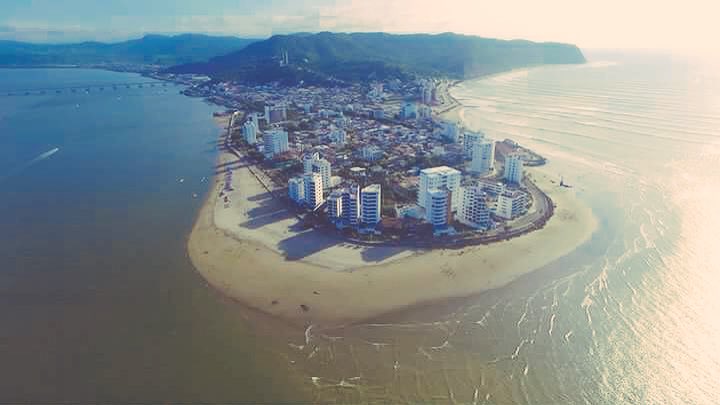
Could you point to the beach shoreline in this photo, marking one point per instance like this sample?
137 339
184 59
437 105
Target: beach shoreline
250 249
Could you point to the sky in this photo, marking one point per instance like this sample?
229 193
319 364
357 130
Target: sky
689 25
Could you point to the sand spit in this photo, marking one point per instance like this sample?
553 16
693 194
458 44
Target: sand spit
249 247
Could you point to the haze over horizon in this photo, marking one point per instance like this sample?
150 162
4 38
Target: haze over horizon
614 24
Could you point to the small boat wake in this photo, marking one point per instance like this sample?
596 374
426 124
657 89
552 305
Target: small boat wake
44 156
29 164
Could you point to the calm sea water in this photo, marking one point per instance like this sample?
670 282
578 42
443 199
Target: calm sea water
99 302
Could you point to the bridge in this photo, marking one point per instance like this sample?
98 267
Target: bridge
82 88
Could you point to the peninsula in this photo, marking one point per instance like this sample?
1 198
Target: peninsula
338 203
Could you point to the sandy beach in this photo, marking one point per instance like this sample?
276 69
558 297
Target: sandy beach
250 248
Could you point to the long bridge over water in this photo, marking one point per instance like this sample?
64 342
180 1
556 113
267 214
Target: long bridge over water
81 88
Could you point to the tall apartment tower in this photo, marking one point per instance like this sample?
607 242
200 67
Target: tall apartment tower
308 160
439 209
474 210
469 140
334 205
513 168
483 157
250 132
313 190
275 142
351 205
438 177
371 204
324 168
296 189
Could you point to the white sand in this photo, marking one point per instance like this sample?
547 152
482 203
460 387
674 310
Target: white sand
253 215
241 250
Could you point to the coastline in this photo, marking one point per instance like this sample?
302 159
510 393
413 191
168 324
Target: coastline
252 252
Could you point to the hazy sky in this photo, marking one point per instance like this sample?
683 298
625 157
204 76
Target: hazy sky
649 24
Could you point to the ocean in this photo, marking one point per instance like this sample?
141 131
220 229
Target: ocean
99 300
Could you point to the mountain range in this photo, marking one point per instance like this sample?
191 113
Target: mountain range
148 50
319 58
329 56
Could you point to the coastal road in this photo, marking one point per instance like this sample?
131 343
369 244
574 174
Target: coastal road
542 208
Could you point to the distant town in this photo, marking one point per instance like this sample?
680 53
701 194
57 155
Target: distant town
377 163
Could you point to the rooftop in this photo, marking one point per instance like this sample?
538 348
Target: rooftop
440 170
373 188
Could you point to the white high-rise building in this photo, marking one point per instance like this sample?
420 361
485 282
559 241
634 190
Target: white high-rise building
371 204
250 132
474 210
313 190
334 205
275 142
469 141
511 204
308 160
296 189
514 168
313 163
324 168
483 157
439 207
438 177
351 205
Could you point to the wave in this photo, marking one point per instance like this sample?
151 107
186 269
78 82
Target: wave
595 138
601 91
573 111
552 324
590 95
608 85
519 347
572 116
674 109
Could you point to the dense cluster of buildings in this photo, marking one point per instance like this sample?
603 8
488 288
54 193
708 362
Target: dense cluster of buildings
373 137
444 197
348 206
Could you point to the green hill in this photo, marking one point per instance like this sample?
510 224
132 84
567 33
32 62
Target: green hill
361 56
148 50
